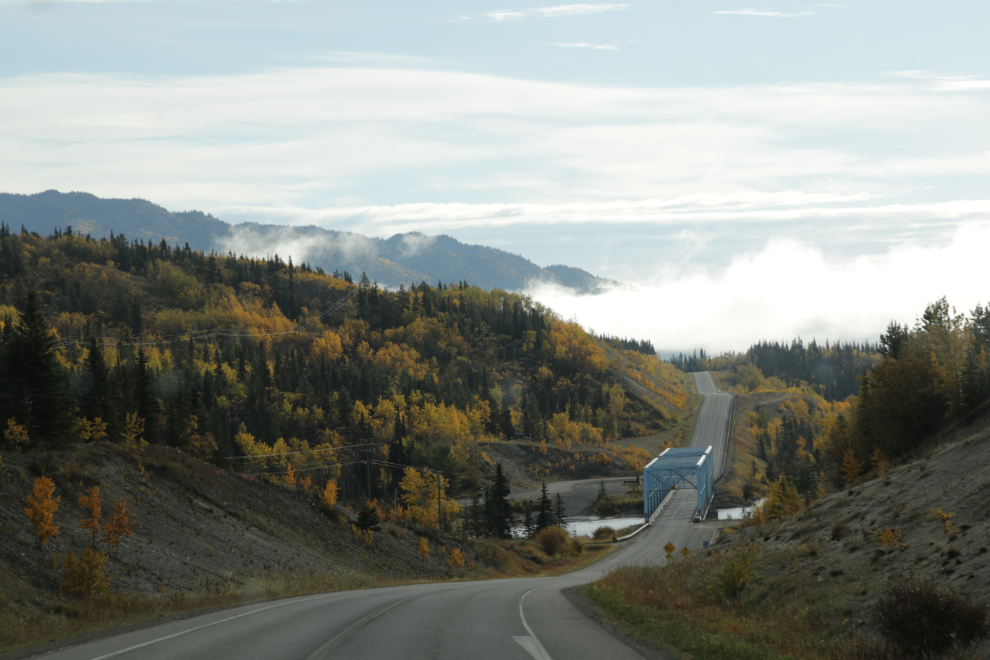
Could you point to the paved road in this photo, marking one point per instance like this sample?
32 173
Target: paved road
514 619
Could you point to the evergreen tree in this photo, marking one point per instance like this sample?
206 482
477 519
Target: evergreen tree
544 513
529 526
559 514
476 524
98 402
505 422
142 398
33 385
500 511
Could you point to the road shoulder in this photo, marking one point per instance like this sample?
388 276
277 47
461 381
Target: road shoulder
590 610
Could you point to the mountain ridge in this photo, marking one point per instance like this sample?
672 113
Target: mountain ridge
400 259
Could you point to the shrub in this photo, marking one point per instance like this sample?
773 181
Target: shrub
604 532
889 538
577 546
552 540
368 517
738 570
923 617
84 574
456 559
424 547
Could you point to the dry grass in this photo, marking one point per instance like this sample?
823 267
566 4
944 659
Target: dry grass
685 606
679 606
30 616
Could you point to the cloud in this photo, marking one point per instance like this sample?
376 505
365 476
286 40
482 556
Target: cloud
370 58
765 12
381 150
503 15
584 44
786 290
297 243
413 243
697 210
949 82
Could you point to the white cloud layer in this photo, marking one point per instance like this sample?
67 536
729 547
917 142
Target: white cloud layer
501 15
788 289
700 210
585 44
766 12
318 137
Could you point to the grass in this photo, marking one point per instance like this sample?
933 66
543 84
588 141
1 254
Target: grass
29 616
681 606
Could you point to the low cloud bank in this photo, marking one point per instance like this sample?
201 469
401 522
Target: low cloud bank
786 290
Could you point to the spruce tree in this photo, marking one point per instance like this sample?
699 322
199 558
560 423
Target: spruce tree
143 399
559 514
34 389
476 526
500 516
528 525
544 515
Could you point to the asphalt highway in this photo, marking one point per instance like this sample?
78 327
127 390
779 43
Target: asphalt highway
520 618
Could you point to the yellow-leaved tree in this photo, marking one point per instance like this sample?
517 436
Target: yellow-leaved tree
119 526
420 494
41 508
575 350
91 504
329 495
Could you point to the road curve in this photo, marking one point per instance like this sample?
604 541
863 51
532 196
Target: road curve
519 618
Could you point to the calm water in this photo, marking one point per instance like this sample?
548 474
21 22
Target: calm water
738 513
584 526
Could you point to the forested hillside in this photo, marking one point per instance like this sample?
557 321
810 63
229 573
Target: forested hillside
926 379
270 368
401 259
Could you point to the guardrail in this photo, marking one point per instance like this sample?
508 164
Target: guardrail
648 522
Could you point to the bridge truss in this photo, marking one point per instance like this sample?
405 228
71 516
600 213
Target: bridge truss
685 467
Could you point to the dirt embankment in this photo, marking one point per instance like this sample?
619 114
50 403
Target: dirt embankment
196 528
527 466
926 518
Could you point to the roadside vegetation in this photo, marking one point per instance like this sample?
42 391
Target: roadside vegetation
872 539
181 430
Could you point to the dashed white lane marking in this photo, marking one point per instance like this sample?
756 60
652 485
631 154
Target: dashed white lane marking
208 625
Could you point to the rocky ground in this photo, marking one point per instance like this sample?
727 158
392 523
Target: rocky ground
196 527
933 512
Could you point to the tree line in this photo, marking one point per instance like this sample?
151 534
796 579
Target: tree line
831 370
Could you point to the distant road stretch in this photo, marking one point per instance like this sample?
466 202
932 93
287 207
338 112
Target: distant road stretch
519 618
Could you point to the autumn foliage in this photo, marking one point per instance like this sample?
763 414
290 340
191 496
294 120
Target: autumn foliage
119 526
84 573
41 507
91 504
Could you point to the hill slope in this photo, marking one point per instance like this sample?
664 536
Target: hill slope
401 259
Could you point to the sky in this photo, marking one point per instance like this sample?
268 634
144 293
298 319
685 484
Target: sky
749 171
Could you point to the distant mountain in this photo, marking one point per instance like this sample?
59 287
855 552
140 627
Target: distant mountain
401 259
88 214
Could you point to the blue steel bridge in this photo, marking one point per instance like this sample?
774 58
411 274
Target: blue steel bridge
685 467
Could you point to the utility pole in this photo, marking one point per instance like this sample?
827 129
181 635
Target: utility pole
367 469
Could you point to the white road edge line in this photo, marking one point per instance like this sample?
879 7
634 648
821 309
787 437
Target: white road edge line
531 643
186 632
